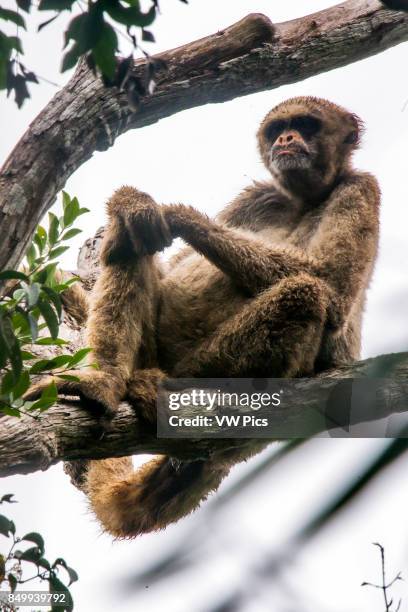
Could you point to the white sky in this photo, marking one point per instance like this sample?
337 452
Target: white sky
204 157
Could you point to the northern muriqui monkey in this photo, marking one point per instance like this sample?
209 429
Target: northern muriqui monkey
274 286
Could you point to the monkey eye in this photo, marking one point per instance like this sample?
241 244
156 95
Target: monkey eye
275 129
306 125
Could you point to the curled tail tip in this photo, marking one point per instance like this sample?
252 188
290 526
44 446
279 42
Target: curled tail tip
157 494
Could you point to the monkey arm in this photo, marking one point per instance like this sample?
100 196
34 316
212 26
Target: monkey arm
251 264
341 254
345 245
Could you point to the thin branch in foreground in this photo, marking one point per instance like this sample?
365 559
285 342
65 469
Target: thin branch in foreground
384 586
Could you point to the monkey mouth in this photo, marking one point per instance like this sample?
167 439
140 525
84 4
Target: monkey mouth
292 150
288 158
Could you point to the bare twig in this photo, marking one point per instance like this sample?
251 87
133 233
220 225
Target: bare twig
384 586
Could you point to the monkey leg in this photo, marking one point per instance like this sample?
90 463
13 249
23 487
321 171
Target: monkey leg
123 311
137 227
278 334
120 331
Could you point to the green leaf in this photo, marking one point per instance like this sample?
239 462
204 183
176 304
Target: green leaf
13 16
50 392
21 92
6 526
33 326
51 341
33 293
60 361
73 576
9 274
65 199
12 346
103 52
132 15
44 563
43 365
24 5
40 366
147 36
85 29
20 322
14 412
7 383
31 255
36 538
71 233
50 317
3 351
57 252
40 238
22 385
12 580
53 228
15 43
26 356
67 283
79 356
56 586
55 5
46 275
71 212
71 58
32 555
54 297
42 405
69 377
18 294
8 498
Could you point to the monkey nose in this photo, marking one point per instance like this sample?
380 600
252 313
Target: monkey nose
286 138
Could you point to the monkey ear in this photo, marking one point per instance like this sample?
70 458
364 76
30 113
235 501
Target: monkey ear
356 129
352 137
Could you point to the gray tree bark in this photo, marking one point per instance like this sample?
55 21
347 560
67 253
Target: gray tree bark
67 431
250 56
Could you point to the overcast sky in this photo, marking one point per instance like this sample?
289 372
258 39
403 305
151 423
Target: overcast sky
204 157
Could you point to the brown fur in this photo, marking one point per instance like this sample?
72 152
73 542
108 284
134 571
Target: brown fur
275 286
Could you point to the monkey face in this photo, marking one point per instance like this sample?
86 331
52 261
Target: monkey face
307 142
292 142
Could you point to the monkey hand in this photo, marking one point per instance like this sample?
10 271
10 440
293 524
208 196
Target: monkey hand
141 218
100 392
142 393
185 220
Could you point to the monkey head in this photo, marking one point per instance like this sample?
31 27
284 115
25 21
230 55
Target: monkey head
307 143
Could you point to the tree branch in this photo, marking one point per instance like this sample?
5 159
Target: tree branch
250 56
67 432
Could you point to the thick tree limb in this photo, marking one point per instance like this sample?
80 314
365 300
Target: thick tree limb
67 432
250 56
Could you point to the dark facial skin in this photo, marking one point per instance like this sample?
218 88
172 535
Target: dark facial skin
293 142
